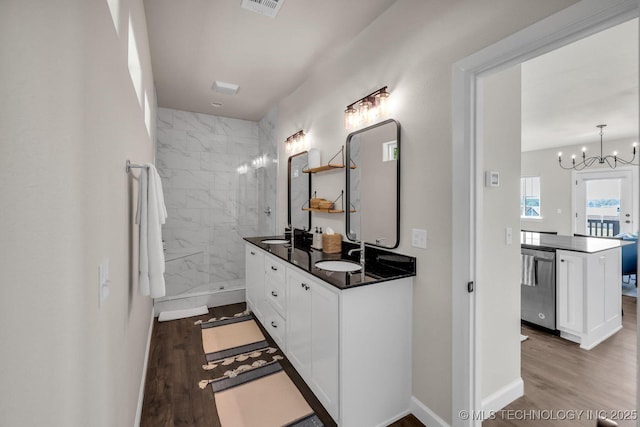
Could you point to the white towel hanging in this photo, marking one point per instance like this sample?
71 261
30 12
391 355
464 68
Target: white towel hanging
151 214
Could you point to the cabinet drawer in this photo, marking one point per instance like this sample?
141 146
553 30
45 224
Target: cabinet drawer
276 325
274 269
276 294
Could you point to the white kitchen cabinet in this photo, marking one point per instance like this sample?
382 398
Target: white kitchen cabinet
569 305
589 299
312 336
254 277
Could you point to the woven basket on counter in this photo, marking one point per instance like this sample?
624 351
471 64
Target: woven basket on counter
331 243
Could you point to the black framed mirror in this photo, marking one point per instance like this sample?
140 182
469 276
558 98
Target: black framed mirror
373 185
298 192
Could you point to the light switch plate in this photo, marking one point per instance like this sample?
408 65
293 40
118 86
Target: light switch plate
492 179
508 235
419 238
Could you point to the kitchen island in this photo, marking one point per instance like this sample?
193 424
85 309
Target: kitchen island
588 285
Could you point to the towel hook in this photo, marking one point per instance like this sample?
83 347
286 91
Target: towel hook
130 165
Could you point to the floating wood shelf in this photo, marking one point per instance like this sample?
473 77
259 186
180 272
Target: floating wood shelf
326 210
325 168
330 166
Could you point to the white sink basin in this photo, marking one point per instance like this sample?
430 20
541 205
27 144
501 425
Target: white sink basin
341 266
275 241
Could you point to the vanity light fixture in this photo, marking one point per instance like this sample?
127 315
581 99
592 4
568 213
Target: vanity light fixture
297 142
611 160
368 109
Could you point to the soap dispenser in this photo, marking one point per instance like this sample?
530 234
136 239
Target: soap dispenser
317 240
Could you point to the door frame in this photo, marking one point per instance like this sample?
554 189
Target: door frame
619 172
571 24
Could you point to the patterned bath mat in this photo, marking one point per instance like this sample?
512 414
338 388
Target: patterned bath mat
249 385
231 336
262 397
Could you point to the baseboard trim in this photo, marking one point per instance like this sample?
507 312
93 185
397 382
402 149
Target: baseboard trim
426 415
501 398
136 423
395 418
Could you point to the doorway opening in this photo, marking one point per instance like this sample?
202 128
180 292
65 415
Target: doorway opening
575 23
605 203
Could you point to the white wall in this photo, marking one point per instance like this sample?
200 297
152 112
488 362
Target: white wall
556 183
410 48
499 274
69 120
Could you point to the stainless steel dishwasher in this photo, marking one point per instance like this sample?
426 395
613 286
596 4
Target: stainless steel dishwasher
538 302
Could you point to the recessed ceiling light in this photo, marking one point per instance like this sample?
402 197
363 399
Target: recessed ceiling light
216 104
226 88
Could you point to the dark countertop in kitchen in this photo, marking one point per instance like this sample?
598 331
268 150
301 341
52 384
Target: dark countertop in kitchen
380 265
543 241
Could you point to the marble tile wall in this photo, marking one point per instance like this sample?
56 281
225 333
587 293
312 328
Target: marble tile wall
268 175
211 205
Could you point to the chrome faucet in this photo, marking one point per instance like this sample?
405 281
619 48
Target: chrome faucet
293 236
361 250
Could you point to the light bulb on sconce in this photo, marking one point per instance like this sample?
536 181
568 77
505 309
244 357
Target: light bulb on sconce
349 117
296 142
367 110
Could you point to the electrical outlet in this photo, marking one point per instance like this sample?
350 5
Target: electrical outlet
419 238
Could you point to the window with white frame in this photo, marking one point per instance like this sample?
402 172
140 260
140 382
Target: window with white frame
530 197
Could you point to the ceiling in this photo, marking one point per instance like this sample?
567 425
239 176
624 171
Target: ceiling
195 42
569 91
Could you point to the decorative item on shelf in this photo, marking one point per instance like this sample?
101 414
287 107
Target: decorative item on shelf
331 165
323 205
313 156
331 242
314 203
297 142
368 109
611 160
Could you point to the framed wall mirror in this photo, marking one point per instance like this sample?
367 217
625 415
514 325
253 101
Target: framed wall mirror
299 191
373 185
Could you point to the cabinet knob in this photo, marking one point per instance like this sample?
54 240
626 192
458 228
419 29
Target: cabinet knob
561 260
274 293
274 268
253 253
306 288
274 325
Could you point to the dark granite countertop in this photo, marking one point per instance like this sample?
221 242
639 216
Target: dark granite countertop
380 265
531 240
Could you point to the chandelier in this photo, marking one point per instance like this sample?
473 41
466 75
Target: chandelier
612 160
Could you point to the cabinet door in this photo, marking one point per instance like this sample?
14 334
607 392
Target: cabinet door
299 323
570 299
603 290
325 346
612 294
254 277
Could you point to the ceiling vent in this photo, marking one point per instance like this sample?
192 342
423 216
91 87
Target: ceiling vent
264 7
225 88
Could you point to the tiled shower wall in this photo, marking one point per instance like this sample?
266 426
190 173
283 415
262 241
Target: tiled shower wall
268 175
212 203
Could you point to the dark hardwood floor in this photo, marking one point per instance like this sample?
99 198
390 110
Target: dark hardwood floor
172 396
558 375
